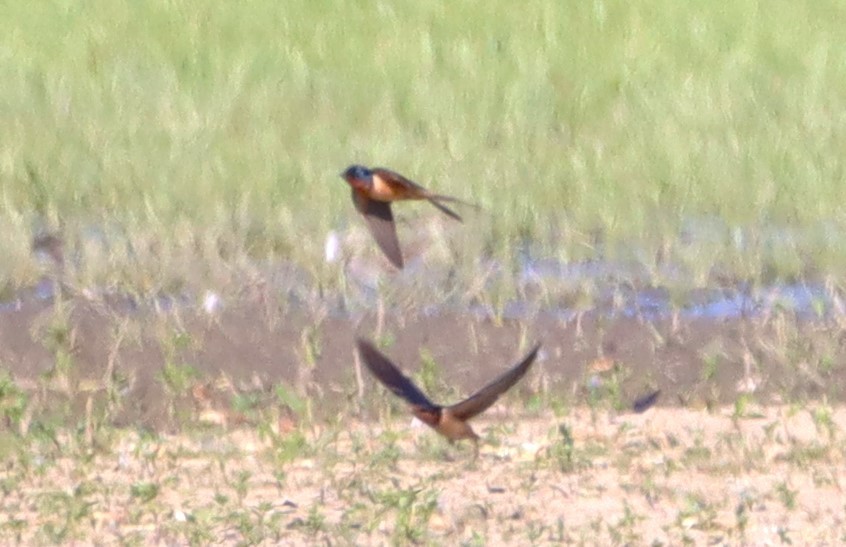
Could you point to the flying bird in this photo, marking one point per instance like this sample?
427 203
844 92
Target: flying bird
449 421
373 190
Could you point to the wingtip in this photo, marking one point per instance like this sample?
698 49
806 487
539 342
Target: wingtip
534 351
530 357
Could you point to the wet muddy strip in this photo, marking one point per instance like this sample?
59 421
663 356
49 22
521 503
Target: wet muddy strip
75 350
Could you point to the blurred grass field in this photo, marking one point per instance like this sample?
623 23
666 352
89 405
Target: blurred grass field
207 134
185 146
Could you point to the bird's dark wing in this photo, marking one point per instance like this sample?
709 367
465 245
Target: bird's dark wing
380 222
642 404
392 378
485 397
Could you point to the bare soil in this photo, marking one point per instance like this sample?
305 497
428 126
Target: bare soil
253 346
743 447
667 477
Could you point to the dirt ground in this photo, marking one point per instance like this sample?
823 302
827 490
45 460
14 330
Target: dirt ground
253 347
745 446
666 477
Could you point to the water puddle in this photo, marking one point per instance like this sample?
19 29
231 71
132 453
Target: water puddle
612 288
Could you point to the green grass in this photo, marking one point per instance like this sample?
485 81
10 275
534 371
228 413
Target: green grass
176 143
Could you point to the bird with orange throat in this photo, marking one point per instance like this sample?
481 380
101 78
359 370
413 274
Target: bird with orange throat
373 191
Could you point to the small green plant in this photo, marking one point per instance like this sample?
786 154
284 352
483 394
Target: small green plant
824 421
786 495
14 526
316 521
144 491
785 538
562 449
311 345
741 406
246 403
624 531
429 375
710 364
826 365
287 397
534 404
13 400
58 333
66 512
804 454
413 507
242 484
741 515
178 377
290 446
699 454
244 521
388 453
697 512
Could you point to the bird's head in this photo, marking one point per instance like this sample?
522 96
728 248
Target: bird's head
357 175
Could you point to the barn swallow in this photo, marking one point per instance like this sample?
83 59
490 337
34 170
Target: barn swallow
449 421
374 189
